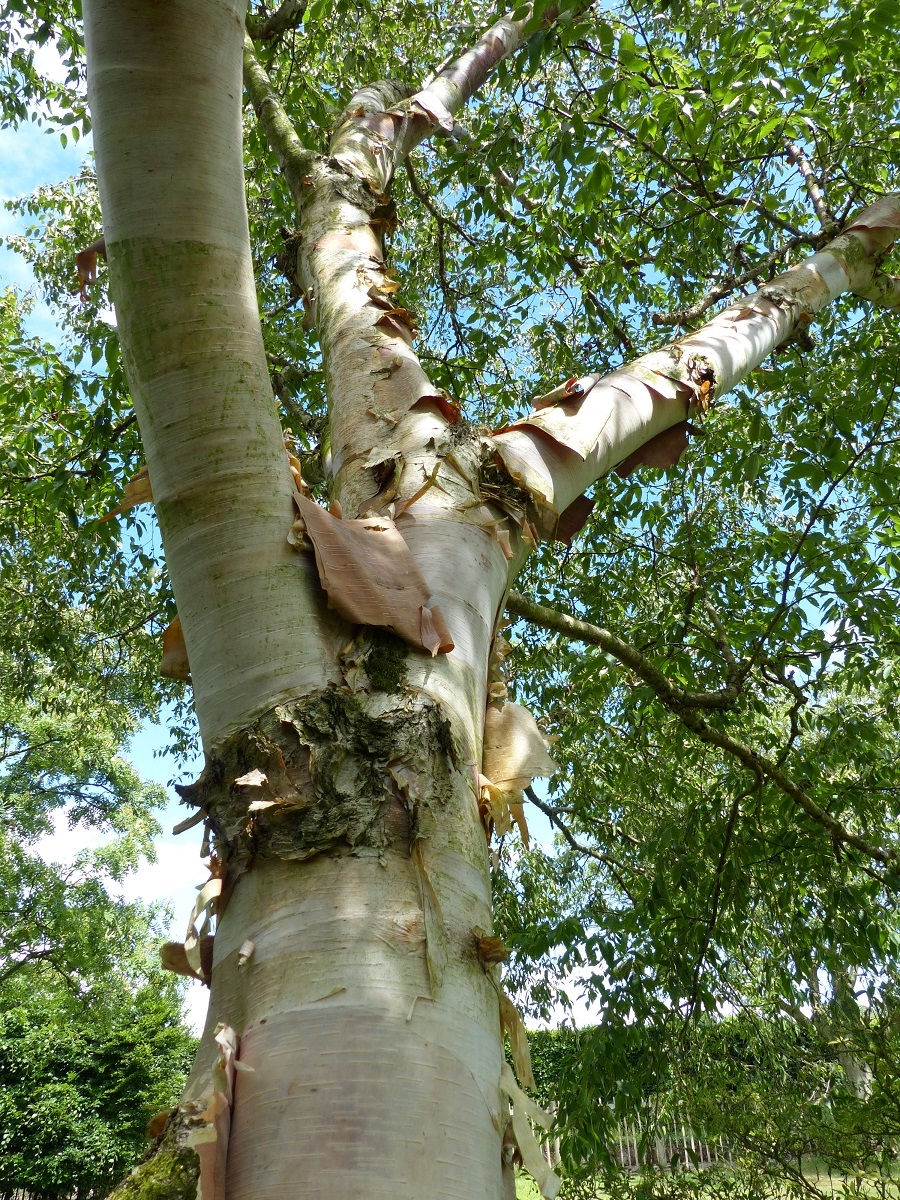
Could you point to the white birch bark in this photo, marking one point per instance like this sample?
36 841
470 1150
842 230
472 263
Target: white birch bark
165 94
559 451
368 1079
350 975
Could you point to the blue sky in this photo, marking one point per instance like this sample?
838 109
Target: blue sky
29 157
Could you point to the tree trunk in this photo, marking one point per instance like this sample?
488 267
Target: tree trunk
370 1025
353 1046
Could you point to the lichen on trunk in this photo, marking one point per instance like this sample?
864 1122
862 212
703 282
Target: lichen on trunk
170 1171
325 773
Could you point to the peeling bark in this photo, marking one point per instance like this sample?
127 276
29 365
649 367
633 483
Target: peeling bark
343 777
563 447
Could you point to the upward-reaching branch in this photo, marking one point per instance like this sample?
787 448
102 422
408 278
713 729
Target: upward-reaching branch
379 140
164 87
585 428
385 121
295 160
342 201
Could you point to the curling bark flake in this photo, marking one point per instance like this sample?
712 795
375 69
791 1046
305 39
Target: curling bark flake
345 790
564 447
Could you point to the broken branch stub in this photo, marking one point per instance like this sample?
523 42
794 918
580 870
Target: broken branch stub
371 578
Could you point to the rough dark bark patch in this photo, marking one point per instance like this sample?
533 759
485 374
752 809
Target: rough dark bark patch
326 773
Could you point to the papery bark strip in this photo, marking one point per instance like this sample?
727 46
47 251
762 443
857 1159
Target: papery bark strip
560 450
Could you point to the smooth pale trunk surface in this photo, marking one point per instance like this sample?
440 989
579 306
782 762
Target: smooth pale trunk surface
376 1089
363 1084
165 92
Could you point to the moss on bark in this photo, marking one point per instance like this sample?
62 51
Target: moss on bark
170 1173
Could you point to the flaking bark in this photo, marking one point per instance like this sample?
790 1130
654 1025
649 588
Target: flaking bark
346 818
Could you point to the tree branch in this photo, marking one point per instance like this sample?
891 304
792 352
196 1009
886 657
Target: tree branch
426 201
699 188
375 141
553 815
440 220
796 156
294 159
757 763
625 653
288 16
685 316
587 427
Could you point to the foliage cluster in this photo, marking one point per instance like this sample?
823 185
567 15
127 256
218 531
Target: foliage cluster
77 1088
773 1094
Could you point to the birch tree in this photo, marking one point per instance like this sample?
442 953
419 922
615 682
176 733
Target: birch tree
342 604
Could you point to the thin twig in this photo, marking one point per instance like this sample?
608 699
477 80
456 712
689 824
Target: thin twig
797 157
668 694
549 811
733 814
422 196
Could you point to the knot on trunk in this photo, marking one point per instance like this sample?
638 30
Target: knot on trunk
333 772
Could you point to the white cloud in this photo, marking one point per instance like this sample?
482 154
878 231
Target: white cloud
48 62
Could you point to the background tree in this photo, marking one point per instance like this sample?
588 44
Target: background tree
81 1079
616 174
91 1040
92 1043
